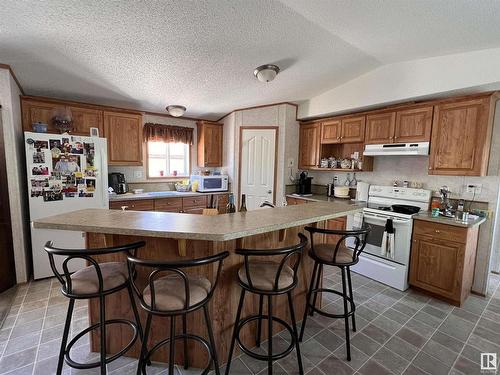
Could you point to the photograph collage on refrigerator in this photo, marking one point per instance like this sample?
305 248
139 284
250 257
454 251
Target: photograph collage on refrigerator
62 168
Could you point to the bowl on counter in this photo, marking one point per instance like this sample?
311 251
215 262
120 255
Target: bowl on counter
182 187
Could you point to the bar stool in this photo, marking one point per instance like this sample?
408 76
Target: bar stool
172 292
338 255
268 278
95 281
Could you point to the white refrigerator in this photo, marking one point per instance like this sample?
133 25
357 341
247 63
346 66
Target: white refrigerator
65 173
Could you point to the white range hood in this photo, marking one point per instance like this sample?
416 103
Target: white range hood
416 148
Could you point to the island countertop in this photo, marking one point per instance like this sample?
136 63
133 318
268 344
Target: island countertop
196 227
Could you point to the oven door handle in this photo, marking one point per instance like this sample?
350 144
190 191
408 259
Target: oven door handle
384 218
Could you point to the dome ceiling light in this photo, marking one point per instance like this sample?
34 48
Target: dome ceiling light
266 73
176 110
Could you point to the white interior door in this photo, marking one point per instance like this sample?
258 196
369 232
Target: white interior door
257 166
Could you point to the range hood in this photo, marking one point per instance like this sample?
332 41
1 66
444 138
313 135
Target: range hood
417 148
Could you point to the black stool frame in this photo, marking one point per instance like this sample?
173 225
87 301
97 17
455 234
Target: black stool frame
359 236
67 290
176 268
288 253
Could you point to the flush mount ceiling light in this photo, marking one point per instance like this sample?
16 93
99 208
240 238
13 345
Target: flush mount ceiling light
176 110
266 73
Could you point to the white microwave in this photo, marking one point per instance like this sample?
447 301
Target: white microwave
210 183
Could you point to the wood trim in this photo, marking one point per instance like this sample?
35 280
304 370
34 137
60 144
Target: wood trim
9 68
261 106
276 128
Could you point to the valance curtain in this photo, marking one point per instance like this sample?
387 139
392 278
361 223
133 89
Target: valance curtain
167 133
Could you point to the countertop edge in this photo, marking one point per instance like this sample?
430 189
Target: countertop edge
145 196
448 221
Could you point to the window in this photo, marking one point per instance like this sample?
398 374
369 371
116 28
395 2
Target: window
168 159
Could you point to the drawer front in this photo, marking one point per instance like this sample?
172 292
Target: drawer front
192 202
139 205
440 231
168 204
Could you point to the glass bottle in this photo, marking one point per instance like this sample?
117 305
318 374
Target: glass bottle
230 207
243 207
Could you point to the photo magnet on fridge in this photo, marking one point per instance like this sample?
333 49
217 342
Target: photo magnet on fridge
38 157
66 164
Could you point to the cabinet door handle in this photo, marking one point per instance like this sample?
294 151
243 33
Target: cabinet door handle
438 231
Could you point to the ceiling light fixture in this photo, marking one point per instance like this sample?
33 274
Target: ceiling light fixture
266 73
176 110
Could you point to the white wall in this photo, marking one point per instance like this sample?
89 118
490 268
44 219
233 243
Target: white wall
430 77
14 155
284 117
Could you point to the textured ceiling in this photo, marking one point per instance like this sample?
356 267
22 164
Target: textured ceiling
201 54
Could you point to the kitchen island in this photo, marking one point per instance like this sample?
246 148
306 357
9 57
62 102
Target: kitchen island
174 236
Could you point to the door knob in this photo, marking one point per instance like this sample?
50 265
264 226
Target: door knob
269 192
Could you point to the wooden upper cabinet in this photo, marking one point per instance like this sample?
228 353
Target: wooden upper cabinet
331 131
309 145
37 111
124 134
353 129
209 144
380 128
461 136
86 118
44 111
413 125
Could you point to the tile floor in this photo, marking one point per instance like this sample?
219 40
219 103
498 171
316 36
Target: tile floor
398 333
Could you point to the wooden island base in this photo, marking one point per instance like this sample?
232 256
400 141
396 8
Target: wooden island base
223 305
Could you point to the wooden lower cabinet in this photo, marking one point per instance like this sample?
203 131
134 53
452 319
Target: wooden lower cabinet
442 260
293 201
335 224
188 205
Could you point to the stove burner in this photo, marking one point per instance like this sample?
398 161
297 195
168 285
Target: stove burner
384 208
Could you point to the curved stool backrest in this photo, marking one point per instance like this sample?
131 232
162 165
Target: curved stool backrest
64 277
359 236
293 253
175 268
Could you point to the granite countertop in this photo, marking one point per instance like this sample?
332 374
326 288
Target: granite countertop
159 194
473 221
186 226
325 198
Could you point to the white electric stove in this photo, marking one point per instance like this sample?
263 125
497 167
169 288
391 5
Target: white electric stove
373 263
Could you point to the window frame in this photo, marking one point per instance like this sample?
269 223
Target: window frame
168 177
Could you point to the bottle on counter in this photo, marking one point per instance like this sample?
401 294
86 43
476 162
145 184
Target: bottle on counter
243 207
230 207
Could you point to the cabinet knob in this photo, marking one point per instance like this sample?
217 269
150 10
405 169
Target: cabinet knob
438 231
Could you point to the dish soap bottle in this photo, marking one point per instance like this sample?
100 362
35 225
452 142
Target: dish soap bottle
230 207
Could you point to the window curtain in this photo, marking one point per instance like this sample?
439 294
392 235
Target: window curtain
167 133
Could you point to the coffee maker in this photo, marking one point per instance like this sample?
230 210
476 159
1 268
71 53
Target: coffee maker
304 184
118 183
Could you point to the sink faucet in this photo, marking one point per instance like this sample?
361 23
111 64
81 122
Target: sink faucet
267 204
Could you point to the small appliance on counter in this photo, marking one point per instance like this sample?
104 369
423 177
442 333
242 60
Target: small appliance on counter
213 183
118 183
304 184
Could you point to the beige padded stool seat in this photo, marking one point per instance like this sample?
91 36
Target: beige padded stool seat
170 292
263 273
326 252
86 281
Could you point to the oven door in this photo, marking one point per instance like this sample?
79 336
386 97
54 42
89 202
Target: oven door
402 236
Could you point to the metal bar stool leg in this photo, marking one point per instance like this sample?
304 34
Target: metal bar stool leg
235 331
212 340
270 334
296 334
318 280
346 317
353 307
141 367
171 359
64 340
308 301
102 316
259 322
184 332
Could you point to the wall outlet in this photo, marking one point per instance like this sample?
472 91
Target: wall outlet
138 174
290 163
474 189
